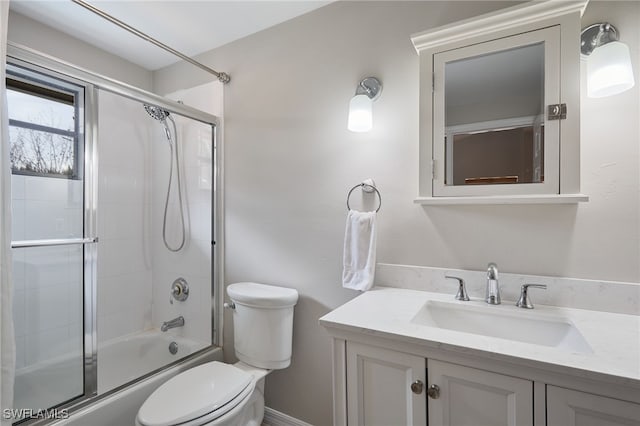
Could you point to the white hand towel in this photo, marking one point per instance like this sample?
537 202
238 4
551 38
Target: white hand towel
359 251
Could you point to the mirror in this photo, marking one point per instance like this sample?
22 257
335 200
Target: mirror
494 122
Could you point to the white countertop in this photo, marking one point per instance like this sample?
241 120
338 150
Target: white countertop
388 312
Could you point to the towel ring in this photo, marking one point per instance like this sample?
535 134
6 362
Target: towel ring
362 185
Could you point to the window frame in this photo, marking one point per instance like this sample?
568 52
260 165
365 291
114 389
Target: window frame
50 87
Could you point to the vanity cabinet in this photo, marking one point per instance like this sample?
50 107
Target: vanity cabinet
387 387
562 366
468 396
567 407
379 387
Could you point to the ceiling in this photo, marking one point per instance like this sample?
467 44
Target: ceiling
191 27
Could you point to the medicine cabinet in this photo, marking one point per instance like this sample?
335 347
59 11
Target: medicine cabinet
500 107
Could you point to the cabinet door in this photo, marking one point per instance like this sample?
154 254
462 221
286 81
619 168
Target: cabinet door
471 397
379 387
489 104
572 408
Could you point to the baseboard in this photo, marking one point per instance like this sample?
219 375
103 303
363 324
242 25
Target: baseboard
276 418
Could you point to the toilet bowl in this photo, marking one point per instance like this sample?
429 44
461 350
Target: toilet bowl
231 395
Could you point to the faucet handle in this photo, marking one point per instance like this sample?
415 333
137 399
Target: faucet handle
524 301
462 290
179 290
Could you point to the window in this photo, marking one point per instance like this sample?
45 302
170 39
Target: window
45 125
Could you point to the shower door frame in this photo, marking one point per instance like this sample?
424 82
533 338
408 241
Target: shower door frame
92 82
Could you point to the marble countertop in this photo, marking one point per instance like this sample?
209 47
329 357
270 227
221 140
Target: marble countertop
389 313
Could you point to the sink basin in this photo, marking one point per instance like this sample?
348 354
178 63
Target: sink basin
503 322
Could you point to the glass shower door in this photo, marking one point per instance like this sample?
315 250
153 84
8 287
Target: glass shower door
48 238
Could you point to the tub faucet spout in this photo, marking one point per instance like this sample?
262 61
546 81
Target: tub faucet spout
176 322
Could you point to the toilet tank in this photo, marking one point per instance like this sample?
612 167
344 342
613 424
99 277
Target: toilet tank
263 323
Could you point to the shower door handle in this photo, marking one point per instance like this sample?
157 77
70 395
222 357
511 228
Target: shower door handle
53 242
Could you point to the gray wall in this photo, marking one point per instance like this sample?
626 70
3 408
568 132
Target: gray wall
290 161
30 33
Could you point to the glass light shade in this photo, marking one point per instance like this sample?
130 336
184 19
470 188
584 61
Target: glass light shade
360 114
609 70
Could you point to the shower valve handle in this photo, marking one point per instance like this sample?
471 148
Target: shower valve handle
179 290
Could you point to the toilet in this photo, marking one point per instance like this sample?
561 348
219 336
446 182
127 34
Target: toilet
231 395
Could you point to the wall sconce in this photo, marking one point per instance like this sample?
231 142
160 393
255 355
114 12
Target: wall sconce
361 105
609 69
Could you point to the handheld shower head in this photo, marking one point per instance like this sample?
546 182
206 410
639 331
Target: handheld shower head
161 115
156 112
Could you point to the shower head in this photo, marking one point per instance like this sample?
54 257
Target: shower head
156 112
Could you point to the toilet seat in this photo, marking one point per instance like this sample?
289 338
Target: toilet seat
196 396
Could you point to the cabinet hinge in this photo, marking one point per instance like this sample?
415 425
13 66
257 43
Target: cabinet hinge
557 112
433 169
433 82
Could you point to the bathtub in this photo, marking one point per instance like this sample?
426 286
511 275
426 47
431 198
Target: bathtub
125 359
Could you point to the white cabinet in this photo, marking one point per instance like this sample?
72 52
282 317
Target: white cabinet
567 407
468 396
378 391
499 107
379 383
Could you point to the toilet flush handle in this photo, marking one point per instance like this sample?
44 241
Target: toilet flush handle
229 305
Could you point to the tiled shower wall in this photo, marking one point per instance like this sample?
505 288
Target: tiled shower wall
135 269
193 263
124 217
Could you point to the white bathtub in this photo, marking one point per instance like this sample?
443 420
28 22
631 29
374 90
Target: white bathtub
125 359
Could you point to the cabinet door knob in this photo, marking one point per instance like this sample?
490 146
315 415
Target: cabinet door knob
434 392
416 387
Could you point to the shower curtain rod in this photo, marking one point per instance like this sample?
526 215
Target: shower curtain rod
222 76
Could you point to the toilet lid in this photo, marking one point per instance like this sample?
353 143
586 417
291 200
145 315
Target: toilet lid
194 393
262 295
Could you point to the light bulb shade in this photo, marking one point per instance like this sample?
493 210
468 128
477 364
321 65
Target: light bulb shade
360 114
609 70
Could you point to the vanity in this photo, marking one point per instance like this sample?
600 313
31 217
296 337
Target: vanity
499 124
410 357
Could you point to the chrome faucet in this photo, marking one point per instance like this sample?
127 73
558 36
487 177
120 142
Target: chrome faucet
176 322
492 295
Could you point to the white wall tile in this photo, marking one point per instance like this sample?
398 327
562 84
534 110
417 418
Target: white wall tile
121 256
43 346
122 220
46 308
20 351
46 266
202 220
48 189
18 220
18 269
52 219
17 187
19 313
